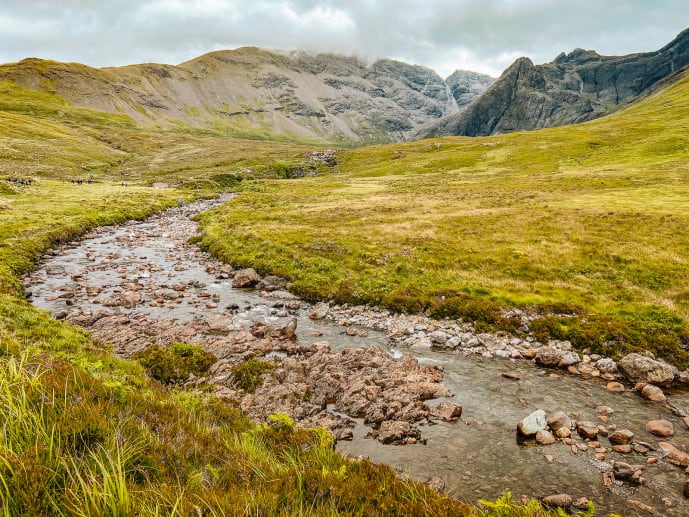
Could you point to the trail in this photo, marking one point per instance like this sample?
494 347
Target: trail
349 370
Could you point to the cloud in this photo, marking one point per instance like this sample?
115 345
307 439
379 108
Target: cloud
482 35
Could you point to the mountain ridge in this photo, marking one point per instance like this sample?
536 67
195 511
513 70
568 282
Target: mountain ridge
253 91
573 88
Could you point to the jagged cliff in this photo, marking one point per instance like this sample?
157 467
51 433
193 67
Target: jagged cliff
575 87
254 92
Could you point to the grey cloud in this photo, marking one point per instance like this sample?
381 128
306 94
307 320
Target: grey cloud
484 35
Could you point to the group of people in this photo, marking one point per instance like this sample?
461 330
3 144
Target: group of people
81 182
19 181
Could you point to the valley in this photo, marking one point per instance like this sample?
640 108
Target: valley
417 299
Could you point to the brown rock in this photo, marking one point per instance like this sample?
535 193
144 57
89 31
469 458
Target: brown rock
622 449
674 455
397 432
616 387
653 393
621 437
686 421
622 470
587 430
558 501
685 489
544 437
661 428
246 278
563 432
447 411
558 420
640 368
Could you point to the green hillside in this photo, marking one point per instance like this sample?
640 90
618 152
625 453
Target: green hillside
589 221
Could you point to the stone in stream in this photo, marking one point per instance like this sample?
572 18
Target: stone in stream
397 432
685 489
653 393
587 430
447 411
559 420
673 454
281 328
218 325
616 387
246 278
639 368
533 423
319 311
686 421
662 428
544 437
621 437
558 501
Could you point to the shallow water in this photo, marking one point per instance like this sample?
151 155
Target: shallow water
478 457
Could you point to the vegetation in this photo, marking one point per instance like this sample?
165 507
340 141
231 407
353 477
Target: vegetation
590 220
175 364
86 433
249 374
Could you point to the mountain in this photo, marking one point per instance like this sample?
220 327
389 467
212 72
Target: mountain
575 87
255 92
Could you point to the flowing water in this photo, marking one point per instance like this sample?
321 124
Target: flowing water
477 457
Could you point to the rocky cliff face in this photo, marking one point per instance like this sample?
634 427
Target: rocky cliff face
254 92
575 87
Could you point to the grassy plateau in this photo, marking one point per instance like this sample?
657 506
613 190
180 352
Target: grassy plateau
85 433
587 225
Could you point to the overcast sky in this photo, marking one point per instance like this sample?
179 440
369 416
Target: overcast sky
481 35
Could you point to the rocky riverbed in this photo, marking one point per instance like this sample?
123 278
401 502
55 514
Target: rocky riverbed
613 432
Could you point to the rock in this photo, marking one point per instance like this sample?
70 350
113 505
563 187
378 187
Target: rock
396 432
548 357
281 328
563 432
685 489
568 359
607 365
653 393
319 311
605 410
673 454
622 470
218 325
558 420
436 483
558 501
587 430
533 423
246 278
622 449
686 421
663 428
271 283
544 437
447 411
639 368
616 387
621 437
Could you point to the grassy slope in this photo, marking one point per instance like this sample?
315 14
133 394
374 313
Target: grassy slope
593 216
85 433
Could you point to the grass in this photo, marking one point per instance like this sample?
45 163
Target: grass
590 220
86 433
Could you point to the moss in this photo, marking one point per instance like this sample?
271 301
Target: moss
173 365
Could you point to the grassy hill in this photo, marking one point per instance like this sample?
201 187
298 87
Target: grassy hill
585 224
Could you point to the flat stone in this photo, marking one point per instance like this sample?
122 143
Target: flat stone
663 428
558 501
674 455
587 430
622 449
558 420
653 393
447 411
616 387
621 437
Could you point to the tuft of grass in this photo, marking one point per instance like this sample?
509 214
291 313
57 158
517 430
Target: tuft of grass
175 364
592 216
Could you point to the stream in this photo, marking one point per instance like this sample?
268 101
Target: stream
132 272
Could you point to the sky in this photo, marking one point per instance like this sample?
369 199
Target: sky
445 35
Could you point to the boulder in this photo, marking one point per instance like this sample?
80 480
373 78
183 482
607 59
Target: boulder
639 368
663 428
245 278
281 328
621 437
533 423
616 387
548 356
674 455
218 325
606 365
